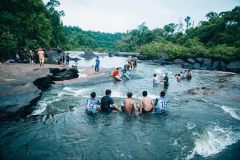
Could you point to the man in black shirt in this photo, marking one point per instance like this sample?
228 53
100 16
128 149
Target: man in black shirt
165 80
107 104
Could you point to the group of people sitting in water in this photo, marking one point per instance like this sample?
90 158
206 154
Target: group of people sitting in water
132 64
187 74
107 105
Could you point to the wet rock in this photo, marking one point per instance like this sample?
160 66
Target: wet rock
186 65
63 74
191 60
142 57
219 65
196 66
233 66
53 57
200 91
199 60
88 54
125 54
178 61
207 62
203 68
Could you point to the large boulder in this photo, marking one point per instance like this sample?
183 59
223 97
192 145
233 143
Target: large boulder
207 62
219 65
178 61
196 66
191 60
88 54
199 60
142 57
53 57
186 65
233 66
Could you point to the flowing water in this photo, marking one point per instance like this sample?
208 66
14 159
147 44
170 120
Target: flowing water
196 127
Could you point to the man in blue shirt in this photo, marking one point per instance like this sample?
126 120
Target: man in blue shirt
97 64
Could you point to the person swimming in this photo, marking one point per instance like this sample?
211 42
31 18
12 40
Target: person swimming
146 103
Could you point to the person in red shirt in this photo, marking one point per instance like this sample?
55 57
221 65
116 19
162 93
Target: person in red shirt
116 74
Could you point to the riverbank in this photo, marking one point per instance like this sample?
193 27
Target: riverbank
198 63
21 85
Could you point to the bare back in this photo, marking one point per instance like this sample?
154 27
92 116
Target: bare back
147 103
129 104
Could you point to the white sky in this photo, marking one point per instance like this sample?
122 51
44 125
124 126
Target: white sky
122 15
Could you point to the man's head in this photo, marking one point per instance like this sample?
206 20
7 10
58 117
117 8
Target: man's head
154 75
166 74
162 94
108 92
93 95
97 57
144 93
129 95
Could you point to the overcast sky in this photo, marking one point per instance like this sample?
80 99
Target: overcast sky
122 15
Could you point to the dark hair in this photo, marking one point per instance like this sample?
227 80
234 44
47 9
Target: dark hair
154 75
129 94
108 92
162 94
93 94
144 93
178 74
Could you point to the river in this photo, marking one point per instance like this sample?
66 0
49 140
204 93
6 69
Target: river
196 127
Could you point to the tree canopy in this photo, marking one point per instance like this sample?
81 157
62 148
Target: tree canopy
29 24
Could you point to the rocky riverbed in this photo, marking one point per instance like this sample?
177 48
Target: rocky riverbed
21 85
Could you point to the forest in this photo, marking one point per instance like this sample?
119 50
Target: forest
218 37
29 24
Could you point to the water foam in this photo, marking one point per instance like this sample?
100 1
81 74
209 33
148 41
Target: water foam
118 94
74 92
213 141
231 111
190 126
226 109
42 105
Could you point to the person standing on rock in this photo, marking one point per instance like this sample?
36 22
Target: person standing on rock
31 56
97 64
67 59
41 56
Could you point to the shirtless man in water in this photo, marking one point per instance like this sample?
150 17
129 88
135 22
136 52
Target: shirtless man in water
129 104
146 104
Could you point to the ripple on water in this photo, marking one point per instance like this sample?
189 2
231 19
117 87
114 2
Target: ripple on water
231 111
